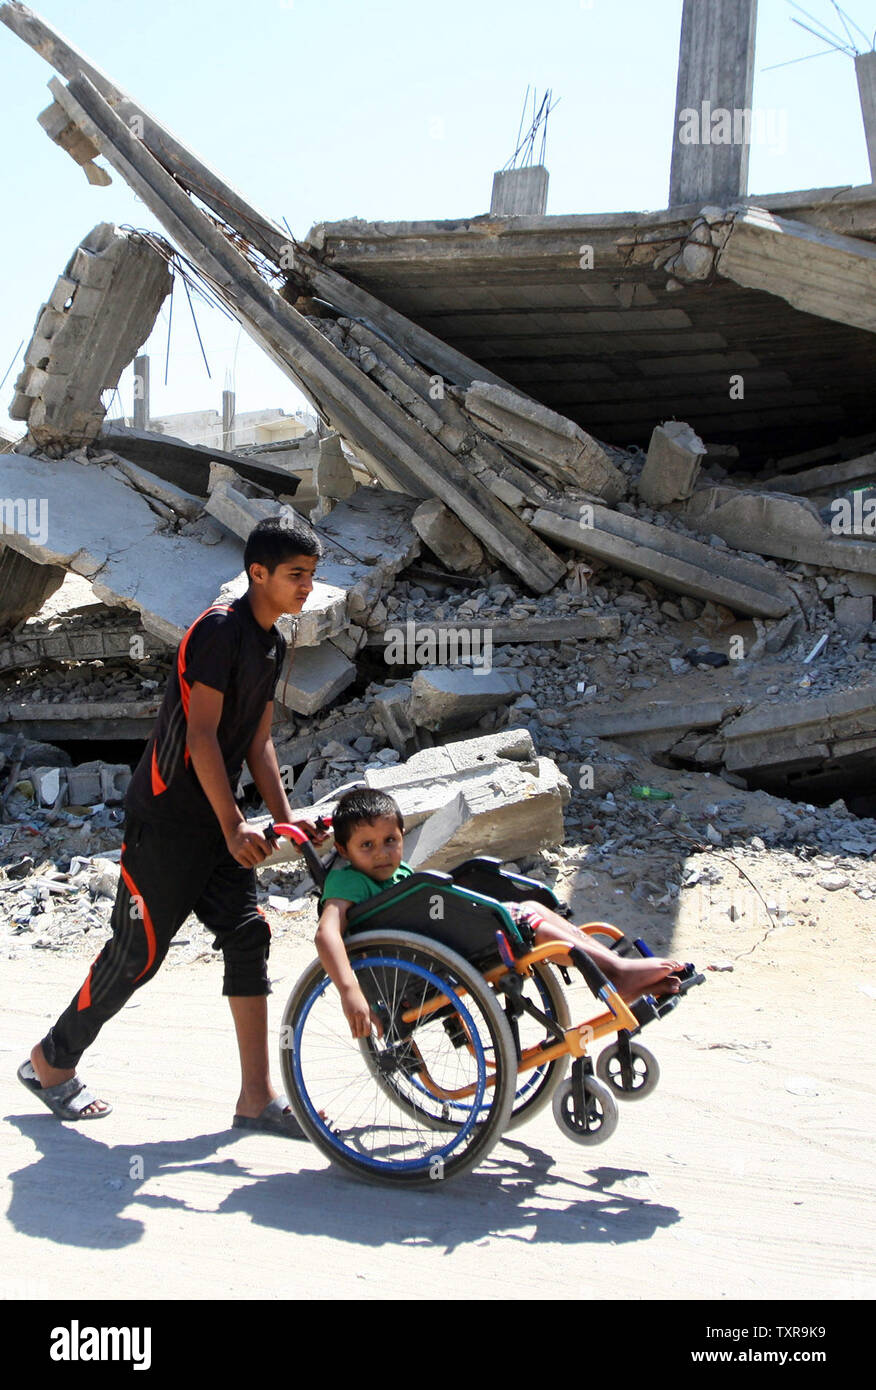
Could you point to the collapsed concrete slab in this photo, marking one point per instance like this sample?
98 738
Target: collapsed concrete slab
670 560
93 521
187 466
99 313
673 463
366 541
772 524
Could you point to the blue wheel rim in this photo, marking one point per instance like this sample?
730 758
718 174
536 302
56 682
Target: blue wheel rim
459 1136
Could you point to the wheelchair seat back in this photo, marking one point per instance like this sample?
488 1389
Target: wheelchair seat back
431 904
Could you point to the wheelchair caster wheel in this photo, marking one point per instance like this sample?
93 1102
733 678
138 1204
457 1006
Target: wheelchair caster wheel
599 1120
631 1081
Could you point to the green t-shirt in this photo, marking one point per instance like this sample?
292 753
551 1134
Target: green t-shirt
353 886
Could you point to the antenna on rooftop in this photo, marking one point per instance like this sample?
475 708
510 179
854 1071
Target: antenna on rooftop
836 43
865 63
536 134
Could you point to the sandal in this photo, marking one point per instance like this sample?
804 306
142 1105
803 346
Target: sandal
274 1119
68 1100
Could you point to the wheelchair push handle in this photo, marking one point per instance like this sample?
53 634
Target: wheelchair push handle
300 838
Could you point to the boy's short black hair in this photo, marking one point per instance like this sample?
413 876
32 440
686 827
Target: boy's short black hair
279 538
361 805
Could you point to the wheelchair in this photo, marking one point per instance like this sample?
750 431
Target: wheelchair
475 1034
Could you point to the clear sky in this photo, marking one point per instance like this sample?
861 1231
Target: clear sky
386 110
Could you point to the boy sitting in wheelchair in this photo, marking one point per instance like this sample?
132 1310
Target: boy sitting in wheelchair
369 836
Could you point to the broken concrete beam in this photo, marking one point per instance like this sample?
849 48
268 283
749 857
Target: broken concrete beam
357 407
673 463
797 732
187 466
508 813
827 477
817 271
772 524
92 719
453 543
25 584
548 440
58 126
312 676
85 509
453 697
655 726
579 626
180 503
79 349
670 560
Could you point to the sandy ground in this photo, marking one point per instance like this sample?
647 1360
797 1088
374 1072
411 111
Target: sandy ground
747 1174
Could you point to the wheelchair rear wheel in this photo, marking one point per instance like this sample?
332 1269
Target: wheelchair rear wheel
384 1108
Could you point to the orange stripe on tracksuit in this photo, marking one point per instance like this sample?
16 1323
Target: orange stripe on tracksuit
185 690
147 920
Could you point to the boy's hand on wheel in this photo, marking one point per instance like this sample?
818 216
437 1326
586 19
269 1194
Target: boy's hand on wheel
358 1013
248 845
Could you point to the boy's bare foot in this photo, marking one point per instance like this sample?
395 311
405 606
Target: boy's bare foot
53 1076
650 975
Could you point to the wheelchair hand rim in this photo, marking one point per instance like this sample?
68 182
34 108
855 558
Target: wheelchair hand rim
332 1136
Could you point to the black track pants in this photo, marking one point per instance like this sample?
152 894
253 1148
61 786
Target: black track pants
164 875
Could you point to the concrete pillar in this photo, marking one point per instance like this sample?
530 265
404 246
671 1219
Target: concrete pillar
865 68
715 76
227 419
141 392
520 192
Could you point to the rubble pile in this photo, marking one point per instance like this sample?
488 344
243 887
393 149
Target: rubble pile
522 633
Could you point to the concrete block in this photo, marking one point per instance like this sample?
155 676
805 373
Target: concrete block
84 784
393 708
445 534
510 812
453 697
853 612
334 476
114 781
673 463
312 676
